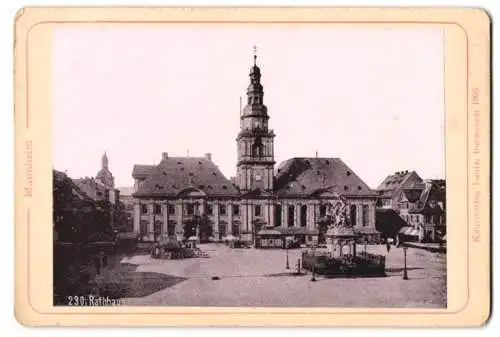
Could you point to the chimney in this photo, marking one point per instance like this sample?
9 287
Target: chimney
164 155
208 156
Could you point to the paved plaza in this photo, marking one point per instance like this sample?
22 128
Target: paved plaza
253 277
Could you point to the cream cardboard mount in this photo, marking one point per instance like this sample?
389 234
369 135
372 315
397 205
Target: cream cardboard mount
266 235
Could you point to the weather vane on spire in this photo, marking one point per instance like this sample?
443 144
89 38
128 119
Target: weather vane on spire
254 54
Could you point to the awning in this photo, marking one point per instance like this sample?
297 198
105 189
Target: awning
268 232
296 230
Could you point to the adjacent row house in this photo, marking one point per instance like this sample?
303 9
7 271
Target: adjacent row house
412 208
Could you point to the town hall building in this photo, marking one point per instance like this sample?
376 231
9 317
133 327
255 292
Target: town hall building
183 197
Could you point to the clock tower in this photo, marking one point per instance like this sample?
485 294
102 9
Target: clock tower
255 167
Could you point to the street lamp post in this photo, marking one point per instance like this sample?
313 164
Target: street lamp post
286 248
154 226
405 272
313 279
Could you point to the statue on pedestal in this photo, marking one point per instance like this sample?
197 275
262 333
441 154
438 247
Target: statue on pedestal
339 214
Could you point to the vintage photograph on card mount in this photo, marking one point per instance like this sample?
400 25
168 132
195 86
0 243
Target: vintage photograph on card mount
196 166
250 166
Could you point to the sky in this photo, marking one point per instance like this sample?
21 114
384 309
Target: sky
373 97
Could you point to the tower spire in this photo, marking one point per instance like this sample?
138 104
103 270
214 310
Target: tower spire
104 161
254 55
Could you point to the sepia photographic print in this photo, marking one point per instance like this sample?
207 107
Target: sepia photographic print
209 171
297 166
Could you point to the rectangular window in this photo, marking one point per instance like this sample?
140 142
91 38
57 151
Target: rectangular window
236 230
144 209
236 209
190 209
171 230
143 229
157 209
222 209
171 209
210 209
257 210
366 215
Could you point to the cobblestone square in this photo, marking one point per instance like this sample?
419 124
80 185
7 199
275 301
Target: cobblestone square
253 277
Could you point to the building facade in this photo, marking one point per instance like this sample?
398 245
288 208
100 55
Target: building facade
185 196
102 190
419 205
102 187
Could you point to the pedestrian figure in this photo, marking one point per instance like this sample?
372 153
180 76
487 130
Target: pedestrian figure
388 247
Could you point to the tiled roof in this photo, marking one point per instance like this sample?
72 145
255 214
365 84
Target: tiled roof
313 176
90 186
176 174
60 178
141 171
394 181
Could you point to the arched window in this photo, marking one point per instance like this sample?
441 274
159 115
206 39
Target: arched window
366 215
353 215
291 216
257 147
277 215
322 210
303 215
